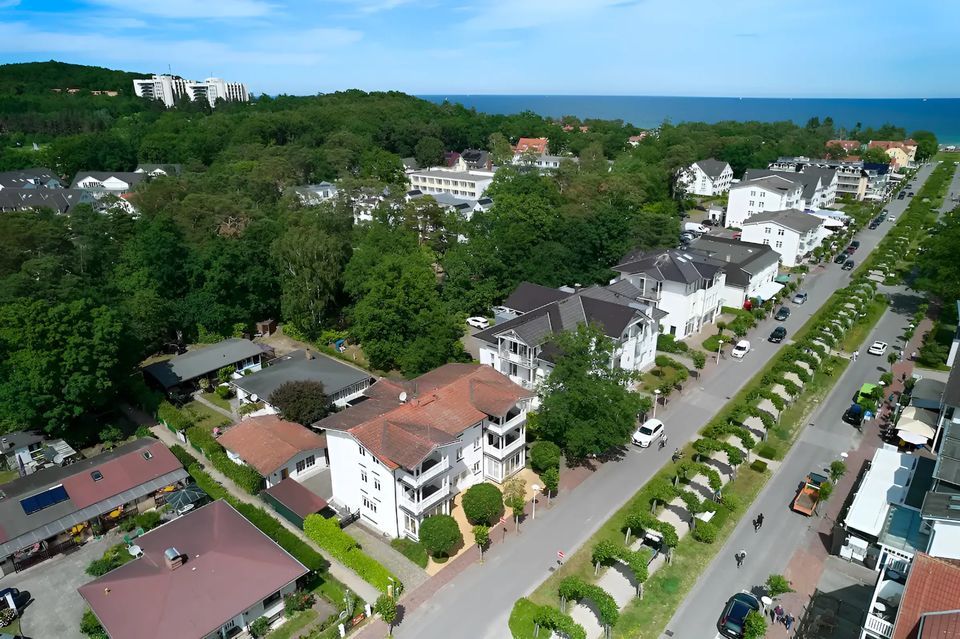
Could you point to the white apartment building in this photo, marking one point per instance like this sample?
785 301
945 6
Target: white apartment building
768 193
851 176
105 183
403 453
470 185
686 287
519 346
791 233
543 163
707 177
170 88
751 269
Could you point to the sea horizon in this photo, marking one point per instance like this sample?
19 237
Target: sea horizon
940 115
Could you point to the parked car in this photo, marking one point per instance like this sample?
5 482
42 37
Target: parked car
778 334
741 349
877 348
20 599
737 235
840 259
800 297
874 225
891 219
782 314
910 194
854 415
848 265
687 236
735 614
478 322
650 431
695 227
808 494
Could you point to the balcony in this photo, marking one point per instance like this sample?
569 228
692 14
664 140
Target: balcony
429 496
878 626
429 469
525 360
505 445
512 421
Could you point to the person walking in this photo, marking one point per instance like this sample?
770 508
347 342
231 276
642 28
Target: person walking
740 556
760 521
856 354
756 525
788 620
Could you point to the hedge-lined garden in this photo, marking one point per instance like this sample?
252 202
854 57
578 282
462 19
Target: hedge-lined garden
327 534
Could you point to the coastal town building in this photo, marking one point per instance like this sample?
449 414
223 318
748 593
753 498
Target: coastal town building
707 177
819 183
100 183
751 268
469 185
240 355
169 89
901 153
768 193
275 448
791 233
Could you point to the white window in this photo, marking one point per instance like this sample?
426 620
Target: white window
476 444
751 202
476 468
766 241
779 245
766 230
363 453
376 483
370 504
781 232
460 453
363 475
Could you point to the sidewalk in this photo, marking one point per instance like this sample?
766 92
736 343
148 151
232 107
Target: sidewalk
807 564
353 581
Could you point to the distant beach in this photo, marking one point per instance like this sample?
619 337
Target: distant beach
942 116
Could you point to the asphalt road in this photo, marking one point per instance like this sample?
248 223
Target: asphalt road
478 601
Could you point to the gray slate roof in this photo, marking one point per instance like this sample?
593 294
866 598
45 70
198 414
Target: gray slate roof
169 169
529 296
38 177
948 461
809 180
927 393
29 198
294 367
202 361
771 182
744 259
670 265
712 167
790 218
951 394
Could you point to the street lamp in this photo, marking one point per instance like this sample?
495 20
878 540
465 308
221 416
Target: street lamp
656 400
719 348
536 490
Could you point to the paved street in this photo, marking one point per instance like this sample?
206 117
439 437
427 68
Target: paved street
482 596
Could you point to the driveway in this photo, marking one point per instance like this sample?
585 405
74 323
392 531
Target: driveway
56 607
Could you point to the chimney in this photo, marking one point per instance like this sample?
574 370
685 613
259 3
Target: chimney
173 558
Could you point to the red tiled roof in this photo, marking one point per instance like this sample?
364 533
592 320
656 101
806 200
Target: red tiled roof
120 474
846 144
297 497
268 442
230 566
941 625
538 145
932 586
886 144
441 405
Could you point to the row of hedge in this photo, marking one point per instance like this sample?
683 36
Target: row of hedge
327 534
244 476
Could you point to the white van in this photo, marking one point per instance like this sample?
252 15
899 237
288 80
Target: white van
695 227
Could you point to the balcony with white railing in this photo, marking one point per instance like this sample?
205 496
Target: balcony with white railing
427 470
502 446
523 358
878 626
420 499
509 422
885 602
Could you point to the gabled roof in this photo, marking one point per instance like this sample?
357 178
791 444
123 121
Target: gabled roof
297 497
809 180
268 442
712 167
670 265
744 259
769 182
528 296
932 586
229 565
300 366
129 177
169 169
848 145
438 407
58 200
791 218
539 145
27 178
202 361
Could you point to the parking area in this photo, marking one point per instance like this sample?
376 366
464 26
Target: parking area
56 607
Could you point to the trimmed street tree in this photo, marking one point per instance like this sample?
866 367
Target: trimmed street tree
439 535
778 585
481 537
386 607
303 402
483 504
515 497
587 408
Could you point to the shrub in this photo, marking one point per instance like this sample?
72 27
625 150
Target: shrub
259 628
327 534
778 585
172 417
7 615
303 402
483 503
182 455
114 557
754 626
767 450
143 431
297 601
90 626
699 359
386 607
440 534
670 344
758 465
705 532
148 520
224 392
544 455
224 374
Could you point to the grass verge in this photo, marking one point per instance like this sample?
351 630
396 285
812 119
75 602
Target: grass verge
854 337
412 550
521 621
8 475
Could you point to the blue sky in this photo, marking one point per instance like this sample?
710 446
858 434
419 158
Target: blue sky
763 48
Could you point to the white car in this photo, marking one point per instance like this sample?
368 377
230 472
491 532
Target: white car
478 322
651 430
741 349
877 348
891 219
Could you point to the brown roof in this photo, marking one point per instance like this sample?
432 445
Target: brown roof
941 625
846 144
440 405
886 144
120 474
538 145
932 586
230 566
268 442
297 497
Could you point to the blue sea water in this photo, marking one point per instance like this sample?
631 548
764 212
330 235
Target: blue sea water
942 116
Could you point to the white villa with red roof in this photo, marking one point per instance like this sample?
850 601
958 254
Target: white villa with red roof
404 452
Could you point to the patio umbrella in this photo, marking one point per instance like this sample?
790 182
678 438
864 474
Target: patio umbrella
185 496
912 438
914 421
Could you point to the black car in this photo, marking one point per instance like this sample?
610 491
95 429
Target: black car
20 598
840 259
735 614
778 334
782 314
848 265
874 225
910 194
902 195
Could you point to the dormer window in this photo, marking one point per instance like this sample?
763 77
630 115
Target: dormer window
147 455
96 475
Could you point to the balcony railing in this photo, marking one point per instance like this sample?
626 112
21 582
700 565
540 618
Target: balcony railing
429 496
507 449
879 626
510 424
429 469
523 360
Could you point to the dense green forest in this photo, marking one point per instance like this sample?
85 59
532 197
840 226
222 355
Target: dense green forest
85 297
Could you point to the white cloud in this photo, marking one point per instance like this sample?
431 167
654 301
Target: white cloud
197 9
510 14
375 6
7 4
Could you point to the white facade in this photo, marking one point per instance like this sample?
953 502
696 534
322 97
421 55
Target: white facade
761 196
689 307
305 464
544 163
736 296
395 501
696 181
271 608
792 245
170 88
110 184
469 185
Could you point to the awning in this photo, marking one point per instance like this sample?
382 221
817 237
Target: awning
884 484
916 422
767 290
912 438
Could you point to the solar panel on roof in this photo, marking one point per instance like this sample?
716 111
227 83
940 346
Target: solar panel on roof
49 497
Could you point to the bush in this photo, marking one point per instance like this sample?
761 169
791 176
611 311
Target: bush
182 455
767 450
439 535
669 344
386 607
297 601
544 455
224 392
172 417
114 557
483 503
143 431
705 532
148 520
778 585
758 465
259 628
327 534
699 359
90 626
287 540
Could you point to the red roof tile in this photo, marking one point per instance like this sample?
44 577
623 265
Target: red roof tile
120 474
932 586
230 566
268 442
538 145
848 145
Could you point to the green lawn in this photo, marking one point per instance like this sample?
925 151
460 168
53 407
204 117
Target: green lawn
412 550
294 624
521 621
854 337
216 400
205 416
8 475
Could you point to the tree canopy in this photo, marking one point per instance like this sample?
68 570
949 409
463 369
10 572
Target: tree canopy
303 402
